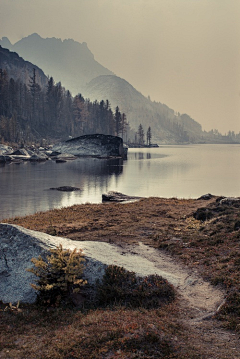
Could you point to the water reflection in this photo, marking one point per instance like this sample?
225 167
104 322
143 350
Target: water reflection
169 171
143 156
25 189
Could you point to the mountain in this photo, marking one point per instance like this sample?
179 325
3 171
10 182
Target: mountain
67 61
19 69
167 126
74 66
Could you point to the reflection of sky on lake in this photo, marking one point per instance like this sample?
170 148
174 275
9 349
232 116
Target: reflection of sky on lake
168 171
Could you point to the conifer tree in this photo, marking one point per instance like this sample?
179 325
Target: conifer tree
59 275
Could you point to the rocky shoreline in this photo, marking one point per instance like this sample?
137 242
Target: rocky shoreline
98 146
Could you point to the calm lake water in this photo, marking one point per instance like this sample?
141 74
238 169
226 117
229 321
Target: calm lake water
167 171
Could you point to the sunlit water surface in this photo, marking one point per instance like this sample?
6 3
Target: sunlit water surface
167 171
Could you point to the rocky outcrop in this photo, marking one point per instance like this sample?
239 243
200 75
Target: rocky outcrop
18 246
112 196
97 145
230 201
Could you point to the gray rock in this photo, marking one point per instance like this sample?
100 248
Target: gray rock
112 196
38 157
97 145
65 188
20 152
230 201
4 149
206 197
65 157
17 247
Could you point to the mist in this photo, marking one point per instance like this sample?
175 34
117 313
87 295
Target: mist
184 53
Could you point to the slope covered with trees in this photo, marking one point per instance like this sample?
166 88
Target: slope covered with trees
30 112
169 126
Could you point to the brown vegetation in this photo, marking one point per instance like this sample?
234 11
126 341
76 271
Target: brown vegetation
209 244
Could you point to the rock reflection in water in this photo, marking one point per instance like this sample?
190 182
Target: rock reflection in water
25 188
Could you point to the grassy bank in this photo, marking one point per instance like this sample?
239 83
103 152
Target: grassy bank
206 240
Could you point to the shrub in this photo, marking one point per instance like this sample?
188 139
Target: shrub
59 275
119 286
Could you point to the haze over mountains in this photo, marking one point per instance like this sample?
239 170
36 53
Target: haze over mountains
67 61
18 68
73 64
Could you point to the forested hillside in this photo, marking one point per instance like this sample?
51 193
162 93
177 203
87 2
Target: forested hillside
30 112
169 127
34 107
74 65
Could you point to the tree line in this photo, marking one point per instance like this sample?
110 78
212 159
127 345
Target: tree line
29 113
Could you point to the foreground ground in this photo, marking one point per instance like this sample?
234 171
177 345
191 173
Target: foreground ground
206 241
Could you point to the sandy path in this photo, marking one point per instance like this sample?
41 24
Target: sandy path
198 299
145 260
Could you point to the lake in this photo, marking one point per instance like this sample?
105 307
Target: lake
168 171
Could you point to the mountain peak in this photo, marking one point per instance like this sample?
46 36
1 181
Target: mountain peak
67 60
5 42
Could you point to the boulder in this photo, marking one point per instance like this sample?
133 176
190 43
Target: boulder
66 189
65 157
112 196
39 157
17 247
230 201
97 145
4 149
206 197
20 152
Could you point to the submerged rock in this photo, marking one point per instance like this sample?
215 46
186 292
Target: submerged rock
97 145
66 189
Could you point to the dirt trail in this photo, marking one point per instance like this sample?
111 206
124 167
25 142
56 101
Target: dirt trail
198 299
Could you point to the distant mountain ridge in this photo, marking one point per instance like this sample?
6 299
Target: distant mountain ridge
74 65
19 69
67 61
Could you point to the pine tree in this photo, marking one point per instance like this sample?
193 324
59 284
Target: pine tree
118 120
59 275
140 135
149 136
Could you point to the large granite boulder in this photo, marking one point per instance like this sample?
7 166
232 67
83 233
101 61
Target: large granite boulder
97 145
18 246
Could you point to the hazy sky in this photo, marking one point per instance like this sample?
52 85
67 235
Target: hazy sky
184 53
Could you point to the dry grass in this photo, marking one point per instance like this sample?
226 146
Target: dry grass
211 247
119 333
